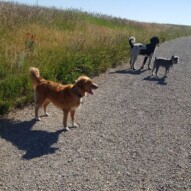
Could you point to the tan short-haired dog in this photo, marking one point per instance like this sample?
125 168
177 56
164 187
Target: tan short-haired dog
65 97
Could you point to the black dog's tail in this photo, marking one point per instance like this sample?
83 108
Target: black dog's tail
132 41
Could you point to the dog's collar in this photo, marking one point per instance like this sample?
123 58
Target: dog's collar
75 91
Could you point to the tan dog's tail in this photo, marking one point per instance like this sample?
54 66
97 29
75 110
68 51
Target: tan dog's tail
34 75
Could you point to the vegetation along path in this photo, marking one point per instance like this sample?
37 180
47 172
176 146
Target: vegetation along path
134 134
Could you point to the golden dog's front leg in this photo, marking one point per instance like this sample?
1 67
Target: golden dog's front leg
65 120
72 113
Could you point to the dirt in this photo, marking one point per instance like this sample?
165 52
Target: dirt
134 135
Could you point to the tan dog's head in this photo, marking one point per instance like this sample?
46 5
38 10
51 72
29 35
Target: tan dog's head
85 84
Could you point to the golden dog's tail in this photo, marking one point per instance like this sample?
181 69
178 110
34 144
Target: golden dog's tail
34 75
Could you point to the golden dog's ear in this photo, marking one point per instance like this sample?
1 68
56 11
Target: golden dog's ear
81 78
80 82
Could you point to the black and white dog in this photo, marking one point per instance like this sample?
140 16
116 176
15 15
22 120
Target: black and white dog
140 49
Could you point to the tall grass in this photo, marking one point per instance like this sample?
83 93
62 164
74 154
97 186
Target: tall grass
63 44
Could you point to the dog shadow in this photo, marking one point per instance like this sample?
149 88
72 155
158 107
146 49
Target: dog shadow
36 143
160 81
129 71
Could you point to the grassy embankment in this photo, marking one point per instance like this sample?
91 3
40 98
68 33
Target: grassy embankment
63 45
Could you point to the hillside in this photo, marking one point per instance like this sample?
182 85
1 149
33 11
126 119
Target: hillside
63 44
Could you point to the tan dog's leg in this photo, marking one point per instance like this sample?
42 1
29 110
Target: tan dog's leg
45 108
72 114
65 120
36 112
37 105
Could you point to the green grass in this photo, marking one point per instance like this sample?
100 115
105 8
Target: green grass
64 44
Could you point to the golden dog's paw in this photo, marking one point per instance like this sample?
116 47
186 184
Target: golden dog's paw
46 114
38 119
66 129
74 125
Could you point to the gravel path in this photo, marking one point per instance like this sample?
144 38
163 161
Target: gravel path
134 135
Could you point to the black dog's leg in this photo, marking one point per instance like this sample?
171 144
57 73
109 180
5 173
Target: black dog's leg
131 64
144 62
156 72
150 58
132 61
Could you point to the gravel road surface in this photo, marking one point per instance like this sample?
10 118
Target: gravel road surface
134 135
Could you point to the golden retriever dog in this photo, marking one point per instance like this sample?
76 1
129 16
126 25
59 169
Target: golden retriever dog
65 97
